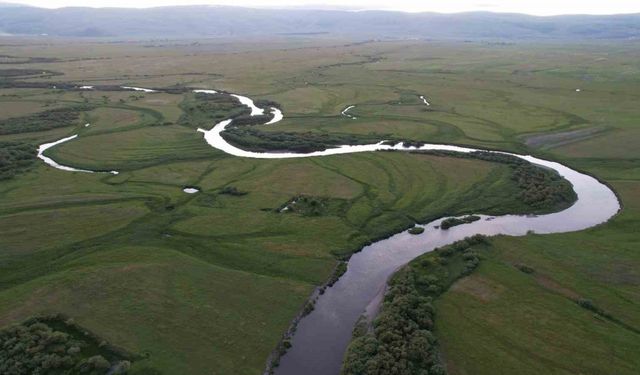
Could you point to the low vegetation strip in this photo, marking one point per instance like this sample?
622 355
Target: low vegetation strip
21 73
401 340
46 120
454 221
256 140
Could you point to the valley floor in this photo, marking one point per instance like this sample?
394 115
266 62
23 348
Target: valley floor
210 281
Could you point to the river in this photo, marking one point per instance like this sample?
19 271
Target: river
322 337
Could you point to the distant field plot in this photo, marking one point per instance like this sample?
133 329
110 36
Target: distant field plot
127 150
105 119
619 144
17 107
60 227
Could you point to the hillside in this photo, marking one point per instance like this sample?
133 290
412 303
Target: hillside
217 21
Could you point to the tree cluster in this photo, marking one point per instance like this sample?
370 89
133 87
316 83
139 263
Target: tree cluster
15 157
205 110
541 188
35 348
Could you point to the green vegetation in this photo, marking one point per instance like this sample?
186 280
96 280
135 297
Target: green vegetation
340 270
50 119
541 189
232 190
209 282
454 221
55 345
257 140
13 73
15 158
402 339
416 230
314 206
205 110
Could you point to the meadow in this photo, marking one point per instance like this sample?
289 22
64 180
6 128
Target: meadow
209 282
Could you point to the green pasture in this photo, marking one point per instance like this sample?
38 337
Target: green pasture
209 282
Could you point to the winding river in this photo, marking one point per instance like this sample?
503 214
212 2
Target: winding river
321 337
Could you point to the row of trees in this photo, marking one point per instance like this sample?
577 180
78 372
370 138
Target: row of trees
258 140
45 120
401 341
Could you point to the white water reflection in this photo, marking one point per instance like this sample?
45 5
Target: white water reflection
277 116
138 89
344 112
210 92
255 111
44 147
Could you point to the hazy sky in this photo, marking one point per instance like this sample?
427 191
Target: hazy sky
537 7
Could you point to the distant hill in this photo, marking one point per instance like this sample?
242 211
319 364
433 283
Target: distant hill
217 21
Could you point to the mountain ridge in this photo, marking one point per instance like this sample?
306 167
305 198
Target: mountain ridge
225 21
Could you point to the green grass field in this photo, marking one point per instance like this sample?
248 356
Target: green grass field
208 283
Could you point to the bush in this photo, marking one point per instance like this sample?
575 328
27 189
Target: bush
416 230
454 221
524 268
313 206
308 308
340 270
232 190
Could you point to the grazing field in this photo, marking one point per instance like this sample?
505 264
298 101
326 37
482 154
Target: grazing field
500 315
209 282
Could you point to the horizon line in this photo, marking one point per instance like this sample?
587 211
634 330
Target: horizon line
321 7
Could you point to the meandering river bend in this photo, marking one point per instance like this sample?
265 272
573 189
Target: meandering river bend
322 337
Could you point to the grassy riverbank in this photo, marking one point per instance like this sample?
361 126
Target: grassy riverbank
499 316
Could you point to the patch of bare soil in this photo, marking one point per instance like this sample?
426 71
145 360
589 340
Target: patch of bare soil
480 287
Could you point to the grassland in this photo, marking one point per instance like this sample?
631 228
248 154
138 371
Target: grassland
503 318
209 282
